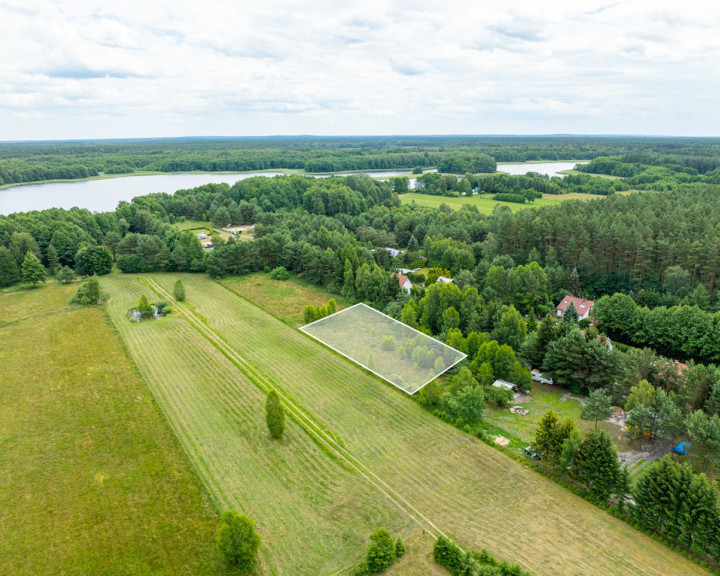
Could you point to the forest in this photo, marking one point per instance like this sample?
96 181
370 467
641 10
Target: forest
35 162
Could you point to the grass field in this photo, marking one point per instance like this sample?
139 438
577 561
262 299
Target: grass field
466 489
284 299
314 515
485 204
92 479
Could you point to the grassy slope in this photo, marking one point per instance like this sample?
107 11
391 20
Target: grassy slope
313 515
485 204
92 480
478 495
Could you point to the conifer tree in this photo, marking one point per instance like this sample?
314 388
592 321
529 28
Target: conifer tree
570 314
179 291
597 465
597 407
274 415
9 273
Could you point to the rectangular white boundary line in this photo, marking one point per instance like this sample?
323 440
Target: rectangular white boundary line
462 354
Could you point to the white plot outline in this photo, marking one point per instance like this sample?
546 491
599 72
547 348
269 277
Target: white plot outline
405 326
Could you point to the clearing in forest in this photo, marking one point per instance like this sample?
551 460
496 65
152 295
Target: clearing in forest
390 349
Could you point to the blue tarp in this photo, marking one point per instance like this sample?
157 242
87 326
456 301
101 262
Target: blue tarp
682 448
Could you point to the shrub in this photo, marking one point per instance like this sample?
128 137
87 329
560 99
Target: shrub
88 293
381 552
179 291
237 542
280 273
388 343
274 415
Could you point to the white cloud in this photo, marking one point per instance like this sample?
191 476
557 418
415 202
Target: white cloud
70 69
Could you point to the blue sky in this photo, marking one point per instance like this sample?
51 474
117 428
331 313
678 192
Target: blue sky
80 69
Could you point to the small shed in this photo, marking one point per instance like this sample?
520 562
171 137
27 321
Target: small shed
507 385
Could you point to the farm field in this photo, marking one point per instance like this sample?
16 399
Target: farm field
470 491
485 204
314 515
285 299
92 479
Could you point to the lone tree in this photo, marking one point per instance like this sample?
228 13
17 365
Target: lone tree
66 275
237 540
144 307
597 407
32 269
179 291
274 414
381 552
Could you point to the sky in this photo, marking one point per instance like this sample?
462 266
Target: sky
73 69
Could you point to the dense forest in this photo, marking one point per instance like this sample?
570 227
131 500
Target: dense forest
34 162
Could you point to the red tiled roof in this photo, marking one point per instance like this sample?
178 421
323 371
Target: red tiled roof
402 279
581 304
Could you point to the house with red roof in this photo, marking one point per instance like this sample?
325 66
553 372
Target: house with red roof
405 283
583 306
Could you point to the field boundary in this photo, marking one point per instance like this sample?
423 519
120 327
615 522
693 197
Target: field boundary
305 421
405 326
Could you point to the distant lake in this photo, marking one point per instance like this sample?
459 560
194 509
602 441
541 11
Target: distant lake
549 168
104 195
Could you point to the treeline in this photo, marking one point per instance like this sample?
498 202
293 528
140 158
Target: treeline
445 185
680 331
34 162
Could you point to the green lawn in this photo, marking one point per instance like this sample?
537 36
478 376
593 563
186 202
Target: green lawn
472 492
542 398
92 479
485 204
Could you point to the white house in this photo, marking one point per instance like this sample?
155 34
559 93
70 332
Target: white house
202 236
405 283
583 306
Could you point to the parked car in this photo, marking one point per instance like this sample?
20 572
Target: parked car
530 451
538 377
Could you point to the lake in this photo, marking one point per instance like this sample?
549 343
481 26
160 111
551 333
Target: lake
104 195
549 168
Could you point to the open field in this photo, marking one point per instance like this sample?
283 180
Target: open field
313 514
485 204
404 357
466 489
92 479
284 299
